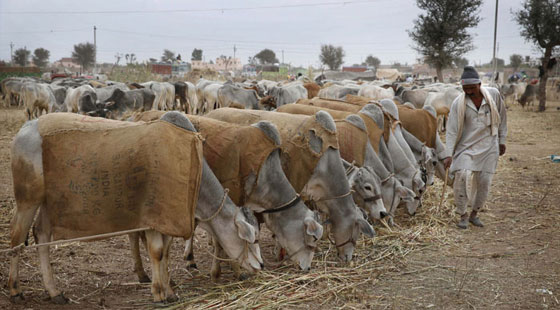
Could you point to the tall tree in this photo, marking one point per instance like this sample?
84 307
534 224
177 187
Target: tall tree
461 62
41 57
332 56
168 56
440 35
21 56
196 54
266 56
515 61
540 24
84 54
373 61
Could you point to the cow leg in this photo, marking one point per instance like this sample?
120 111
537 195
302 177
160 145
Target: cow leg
42 232
135 250
157 246
189 248
216 267
170 295
188 254
20 225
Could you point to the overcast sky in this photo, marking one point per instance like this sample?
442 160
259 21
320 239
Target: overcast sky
362 27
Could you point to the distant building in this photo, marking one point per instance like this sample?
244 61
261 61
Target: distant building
175 69
66 62
221 64
355 69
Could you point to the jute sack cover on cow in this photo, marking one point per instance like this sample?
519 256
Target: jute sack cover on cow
374 133
298 159
233 152
358 100
419 123
329 104
352 141
105 177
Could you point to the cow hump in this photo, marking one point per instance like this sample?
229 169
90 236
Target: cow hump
270 131
326 121
356 121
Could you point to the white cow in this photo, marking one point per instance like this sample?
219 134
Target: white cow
376 92
210 95
37 98
80 99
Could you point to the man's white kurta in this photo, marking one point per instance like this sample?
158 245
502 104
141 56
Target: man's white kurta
477 149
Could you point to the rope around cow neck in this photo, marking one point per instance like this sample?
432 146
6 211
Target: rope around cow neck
226 191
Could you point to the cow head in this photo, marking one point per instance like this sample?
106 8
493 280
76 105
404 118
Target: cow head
329 188
295 228
268 102
117 96
367 190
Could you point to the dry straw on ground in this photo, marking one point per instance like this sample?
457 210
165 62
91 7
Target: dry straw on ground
329 281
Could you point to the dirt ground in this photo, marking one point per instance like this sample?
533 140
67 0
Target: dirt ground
423 263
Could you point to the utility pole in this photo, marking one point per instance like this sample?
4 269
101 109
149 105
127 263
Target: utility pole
11 53
95 48
282 56
494 61
234 50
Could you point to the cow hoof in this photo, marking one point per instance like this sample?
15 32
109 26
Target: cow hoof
243 277
17 299
144 279
60 299
172 298
172 283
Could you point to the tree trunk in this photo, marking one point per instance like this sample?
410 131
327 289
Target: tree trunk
439 74
544 78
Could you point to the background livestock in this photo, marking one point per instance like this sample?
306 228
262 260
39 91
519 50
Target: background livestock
424 262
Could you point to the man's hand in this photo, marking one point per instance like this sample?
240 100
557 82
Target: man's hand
447 162
502 149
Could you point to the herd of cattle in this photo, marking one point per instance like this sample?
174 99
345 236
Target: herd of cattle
311 160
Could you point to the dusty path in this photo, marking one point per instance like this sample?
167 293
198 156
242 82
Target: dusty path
512 263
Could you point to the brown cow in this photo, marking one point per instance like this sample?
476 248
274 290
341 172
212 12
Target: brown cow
312 89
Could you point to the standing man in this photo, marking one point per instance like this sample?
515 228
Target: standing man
476 135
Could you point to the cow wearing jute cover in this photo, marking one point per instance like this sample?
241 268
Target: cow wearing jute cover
420 123
245 160
233 152
358 100
295 143
374 131
124 177
91 176
312 163
351 139
334 104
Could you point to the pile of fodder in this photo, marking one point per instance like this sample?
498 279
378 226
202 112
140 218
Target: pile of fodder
330 283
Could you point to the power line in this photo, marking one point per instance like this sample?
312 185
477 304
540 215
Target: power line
316 4
43 31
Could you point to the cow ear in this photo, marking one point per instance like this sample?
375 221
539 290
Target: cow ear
365 227
245 230
313 228
405 193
